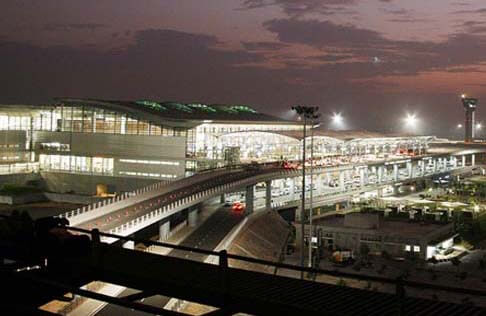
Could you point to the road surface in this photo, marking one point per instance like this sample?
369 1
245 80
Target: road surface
207 236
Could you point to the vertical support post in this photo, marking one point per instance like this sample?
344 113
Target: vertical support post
249 199
292 189
268 194
192 216
341 180
319 184
410 169
302 208
395 172
164 230
380 174
473 160
362 180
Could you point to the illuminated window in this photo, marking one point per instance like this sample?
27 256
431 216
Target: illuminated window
416 248
76 164
147 174
151 162
408 248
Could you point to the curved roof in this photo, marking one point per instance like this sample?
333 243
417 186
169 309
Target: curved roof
338 136
348 135
189 114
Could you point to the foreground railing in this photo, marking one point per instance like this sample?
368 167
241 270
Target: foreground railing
223 257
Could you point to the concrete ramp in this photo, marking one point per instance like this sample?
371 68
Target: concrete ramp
263 236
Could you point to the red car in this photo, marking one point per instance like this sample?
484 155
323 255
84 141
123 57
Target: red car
238 207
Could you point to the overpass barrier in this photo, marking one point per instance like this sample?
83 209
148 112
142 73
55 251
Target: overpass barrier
92 211
78 216
176 206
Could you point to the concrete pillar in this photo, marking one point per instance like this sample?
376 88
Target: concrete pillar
463 161
192 216
298 216
380 192
473 160
164 230
395 172
292 189
222 199
341 180
362 180
395 190
129 244
319 189
249 198
410 169
380 174
268 194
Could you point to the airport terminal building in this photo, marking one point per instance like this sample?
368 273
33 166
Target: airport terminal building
76 144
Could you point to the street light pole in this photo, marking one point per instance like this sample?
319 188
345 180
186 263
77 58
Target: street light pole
311 195
302 210
307 112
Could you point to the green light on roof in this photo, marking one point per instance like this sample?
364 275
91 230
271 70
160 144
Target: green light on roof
179 106
243 108
151 104
203 107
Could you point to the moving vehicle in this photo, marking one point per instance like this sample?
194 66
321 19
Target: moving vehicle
238 207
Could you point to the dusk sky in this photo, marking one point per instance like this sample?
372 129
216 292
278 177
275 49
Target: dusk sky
372 60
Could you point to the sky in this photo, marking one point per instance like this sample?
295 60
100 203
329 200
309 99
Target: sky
374 61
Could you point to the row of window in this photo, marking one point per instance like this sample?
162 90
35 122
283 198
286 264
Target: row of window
81 164
55 146
147 174
86 120
95 165
18 168
9 145
151 162
10 158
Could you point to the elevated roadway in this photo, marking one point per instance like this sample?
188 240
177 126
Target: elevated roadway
136 212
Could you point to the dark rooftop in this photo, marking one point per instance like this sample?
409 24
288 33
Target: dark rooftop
195 111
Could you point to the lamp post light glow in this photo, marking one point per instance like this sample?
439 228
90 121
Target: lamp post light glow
411 120
459 125
337 118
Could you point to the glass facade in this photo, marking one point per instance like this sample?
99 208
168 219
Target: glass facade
14 122
262 146
13 168
76 164
204 141
85 120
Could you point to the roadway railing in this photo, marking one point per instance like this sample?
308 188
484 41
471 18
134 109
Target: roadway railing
223 257
160 213
86 212
94 210
178 205
90 212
